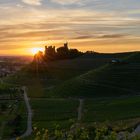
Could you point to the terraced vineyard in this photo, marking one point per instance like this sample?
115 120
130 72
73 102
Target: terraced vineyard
48 113
111 109
109 80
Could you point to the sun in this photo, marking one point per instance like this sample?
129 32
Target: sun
36 50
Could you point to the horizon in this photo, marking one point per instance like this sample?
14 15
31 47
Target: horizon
104 27
33 54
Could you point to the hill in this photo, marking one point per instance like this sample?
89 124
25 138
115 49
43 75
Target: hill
39 78
109 80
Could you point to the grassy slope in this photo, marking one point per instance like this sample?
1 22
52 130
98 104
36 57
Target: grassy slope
109 80
54 73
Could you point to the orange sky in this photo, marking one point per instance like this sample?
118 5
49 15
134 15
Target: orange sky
102 26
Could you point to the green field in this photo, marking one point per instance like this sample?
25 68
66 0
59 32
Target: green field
50 112
111 109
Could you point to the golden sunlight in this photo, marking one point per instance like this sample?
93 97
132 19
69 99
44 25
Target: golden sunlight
36 50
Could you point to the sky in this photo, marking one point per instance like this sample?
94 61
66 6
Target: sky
96 25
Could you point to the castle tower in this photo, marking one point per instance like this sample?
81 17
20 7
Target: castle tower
66 45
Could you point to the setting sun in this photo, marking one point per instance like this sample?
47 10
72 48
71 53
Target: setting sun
36 50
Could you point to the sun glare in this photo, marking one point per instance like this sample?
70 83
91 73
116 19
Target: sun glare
36 50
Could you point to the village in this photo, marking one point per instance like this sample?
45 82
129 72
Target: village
10 65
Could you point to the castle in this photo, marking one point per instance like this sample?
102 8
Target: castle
50 50
63 52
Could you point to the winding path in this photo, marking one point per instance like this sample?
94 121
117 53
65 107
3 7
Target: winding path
80 108
29 119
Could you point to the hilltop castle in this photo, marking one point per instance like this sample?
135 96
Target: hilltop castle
63 52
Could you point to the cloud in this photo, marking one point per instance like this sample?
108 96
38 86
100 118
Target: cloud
32 2
67 2
84 37
19 5
113 36
98 36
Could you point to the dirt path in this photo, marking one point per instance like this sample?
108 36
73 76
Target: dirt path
80 109
29 119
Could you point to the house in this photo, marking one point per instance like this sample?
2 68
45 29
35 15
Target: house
118 61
